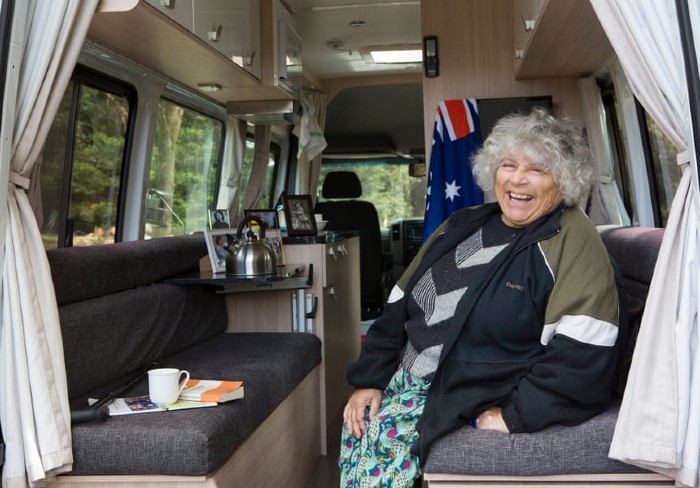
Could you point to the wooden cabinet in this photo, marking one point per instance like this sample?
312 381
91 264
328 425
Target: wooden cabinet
565 39
336 284
174 42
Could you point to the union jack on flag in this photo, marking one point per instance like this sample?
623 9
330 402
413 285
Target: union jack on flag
451 186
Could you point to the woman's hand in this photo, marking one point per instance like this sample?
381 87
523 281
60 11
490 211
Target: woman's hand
354 413
492 419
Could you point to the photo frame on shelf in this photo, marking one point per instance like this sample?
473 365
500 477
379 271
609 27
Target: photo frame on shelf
217 240
274 237
299 215
267 215
219 219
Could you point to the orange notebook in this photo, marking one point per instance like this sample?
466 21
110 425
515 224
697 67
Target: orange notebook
212 390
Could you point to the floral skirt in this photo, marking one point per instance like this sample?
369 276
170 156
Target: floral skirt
382 457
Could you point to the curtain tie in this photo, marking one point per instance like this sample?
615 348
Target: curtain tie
683 157
19 180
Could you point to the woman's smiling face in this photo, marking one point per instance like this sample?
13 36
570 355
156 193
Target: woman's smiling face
525 192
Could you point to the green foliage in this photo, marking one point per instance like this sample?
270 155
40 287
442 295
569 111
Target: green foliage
389 187
194 160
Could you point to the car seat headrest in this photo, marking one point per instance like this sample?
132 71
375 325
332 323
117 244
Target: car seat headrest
341 184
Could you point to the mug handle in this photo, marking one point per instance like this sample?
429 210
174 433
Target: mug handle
183 381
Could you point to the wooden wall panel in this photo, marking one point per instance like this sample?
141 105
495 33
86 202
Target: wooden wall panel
476 52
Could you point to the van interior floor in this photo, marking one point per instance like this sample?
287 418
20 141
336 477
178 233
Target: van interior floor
326 474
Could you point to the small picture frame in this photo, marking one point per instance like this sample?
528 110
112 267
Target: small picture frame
217 240
218 219
299 215
274 237
267 215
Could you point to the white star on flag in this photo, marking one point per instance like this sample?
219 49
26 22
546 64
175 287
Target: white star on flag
452 190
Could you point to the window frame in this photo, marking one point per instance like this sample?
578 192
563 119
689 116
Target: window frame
86 76
180 97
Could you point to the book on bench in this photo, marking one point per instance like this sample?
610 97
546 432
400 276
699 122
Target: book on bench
143 404
218 391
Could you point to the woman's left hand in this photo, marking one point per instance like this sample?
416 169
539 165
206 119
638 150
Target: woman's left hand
492 419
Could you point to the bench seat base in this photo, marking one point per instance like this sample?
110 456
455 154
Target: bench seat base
289 440
613 480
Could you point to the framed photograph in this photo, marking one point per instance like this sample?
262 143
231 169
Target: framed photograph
218 219
217 240
274 237
299 214
267 215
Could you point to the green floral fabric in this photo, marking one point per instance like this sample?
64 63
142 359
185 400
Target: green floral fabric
382 457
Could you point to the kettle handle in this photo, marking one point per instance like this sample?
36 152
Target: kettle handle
251 218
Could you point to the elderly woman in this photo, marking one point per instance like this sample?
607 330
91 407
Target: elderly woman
507 318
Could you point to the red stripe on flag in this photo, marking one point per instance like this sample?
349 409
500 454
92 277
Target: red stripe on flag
457 118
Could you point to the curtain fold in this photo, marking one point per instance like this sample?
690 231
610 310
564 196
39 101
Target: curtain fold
658 426
311 141
607 206
234 152
34 410
258 172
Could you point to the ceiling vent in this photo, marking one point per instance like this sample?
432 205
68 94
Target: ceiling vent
266 111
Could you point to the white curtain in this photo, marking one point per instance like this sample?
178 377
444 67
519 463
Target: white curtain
311 141
659 423
607 206
34 411
234 153
258 172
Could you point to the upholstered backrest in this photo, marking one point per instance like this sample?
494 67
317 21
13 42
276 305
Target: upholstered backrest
634 250
80 273
118 318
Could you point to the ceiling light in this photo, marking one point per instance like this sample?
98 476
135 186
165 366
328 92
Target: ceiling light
392 54
209 87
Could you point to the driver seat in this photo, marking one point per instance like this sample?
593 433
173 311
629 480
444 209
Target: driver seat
345 212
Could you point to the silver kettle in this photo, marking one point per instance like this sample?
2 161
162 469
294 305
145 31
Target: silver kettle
250 256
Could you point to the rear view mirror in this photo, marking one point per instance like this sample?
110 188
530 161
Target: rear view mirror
416 170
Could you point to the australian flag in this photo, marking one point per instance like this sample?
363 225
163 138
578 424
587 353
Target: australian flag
451 186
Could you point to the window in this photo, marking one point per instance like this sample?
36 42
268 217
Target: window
83 167
667 173
388 185
184 171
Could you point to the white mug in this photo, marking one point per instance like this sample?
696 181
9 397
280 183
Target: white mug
166 384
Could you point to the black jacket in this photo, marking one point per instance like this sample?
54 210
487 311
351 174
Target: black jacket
535 332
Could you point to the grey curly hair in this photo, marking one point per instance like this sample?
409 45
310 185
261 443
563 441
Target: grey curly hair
555 145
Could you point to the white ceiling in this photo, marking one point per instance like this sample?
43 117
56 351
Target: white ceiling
320 22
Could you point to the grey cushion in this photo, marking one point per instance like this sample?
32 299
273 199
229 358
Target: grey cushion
80 273
113 335
634 250
197 442
554 450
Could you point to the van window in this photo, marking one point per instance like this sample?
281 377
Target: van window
667 173
387 185
83 165
184 171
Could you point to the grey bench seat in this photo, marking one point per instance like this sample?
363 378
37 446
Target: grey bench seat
556 450
118 317
559 455
196 442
